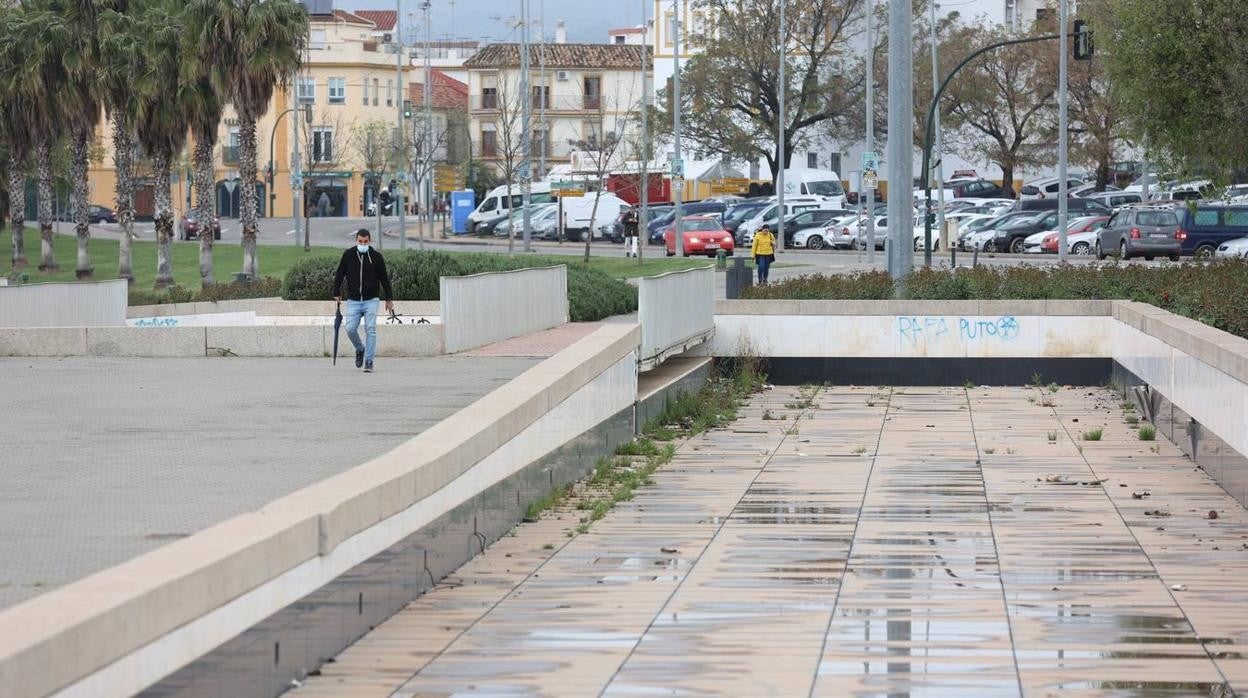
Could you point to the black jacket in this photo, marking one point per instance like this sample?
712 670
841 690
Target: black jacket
363 272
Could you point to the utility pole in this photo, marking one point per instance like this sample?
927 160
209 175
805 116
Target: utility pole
1062 128
678 164
400 145
900 140
940 166
642 236
870 191
541 108
427 136
782 85
526 128
296 170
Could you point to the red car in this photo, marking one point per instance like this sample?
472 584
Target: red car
703 235
1085 224
190 226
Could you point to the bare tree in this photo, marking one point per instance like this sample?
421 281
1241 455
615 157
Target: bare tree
325 146
509 142
601 148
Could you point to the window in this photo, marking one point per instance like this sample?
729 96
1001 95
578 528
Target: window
589 134
593 92
230 153
322 144
541 96
489 98
541 142
834 162
812 160
316 39
366 92
306 90
619 40
376 91
1238 219
669 27
489 141
390 93
1206 218
1160 218
337 90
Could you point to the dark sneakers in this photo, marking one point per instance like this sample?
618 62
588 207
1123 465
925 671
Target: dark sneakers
359 359
368 367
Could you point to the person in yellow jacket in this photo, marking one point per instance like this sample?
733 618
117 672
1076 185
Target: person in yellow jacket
764 252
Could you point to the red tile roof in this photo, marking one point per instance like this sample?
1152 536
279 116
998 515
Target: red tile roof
448 93
384 19
353 18
627 30
618 56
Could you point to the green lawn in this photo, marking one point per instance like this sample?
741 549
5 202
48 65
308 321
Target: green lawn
274 260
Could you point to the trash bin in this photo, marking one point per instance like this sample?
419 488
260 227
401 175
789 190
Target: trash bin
738 278
721 259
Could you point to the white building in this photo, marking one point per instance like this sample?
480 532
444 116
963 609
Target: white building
579 93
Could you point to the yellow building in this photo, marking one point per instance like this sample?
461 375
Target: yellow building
350 84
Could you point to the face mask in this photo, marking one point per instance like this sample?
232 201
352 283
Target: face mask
362 249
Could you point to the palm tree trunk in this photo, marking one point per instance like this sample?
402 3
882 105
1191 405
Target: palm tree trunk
82 227
164 219
203 167
247 192
43 165
123 159
17 211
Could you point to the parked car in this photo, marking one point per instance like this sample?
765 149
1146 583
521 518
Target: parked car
1115 199
812 220
1148 231
100 214
735 216
976 188
1048 188
839 233
1012 236
770 216
486 226
1033 244
977 234
1080 235
702 234
1209 226
1233 249
1078 207
918 235
693 208
190 226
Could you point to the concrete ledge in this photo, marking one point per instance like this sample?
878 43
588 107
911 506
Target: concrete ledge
43 341
1221 350
53 640
70 635
913 307
270 307
145 342
270 341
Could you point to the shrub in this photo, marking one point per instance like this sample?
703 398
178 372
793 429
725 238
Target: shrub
1148 433
266 287
592 294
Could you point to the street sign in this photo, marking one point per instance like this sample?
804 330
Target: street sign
569 193
678 183
678 168
870 168
869 181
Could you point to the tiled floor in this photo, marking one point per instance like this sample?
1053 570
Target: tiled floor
890 542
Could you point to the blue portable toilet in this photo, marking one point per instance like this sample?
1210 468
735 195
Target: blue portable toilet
462 204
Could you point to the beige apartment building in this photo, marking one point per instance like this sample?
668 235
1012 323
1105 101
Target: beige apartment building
352 86
578 93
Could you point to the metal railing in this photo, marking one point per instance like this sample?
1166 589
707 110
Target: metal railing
554 103
676 312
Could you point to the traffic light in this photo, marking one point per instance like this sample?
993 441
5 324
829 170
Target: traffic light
407 109
1083 41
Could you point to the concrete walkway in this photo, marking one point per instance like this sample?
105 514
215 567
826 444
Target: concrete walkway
104 459
934 542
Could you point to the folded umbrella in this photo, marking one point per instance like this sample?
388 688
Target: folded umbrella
337 327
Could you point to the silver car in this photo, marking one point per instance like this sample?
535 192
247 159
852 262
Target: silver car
1233 249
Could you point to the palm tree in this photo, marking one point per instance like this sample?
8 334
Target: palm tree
13 131
160 116
205 106
121 58
36 38
80 106
256 46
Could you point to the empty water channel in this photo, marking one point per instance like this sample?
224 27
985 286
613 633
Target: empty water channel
857 541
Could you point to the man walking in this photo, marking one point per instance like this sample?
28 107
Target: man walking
365 273
630 233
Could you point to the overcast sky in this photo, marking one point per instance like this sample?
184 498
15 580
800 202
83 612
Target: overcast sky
587 20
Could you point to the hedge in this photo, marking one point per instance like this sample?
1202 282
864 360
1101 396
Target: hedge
265 287
1214 293
592 294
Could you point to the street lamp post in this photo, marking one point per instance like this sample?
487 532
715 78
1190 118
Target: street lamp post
1062 144
428 134
870 190
940 167
526 97
400 145
272 167
678 169
900 140
645 136
780 52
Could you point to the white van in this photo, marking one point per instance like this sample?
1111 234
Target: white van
496 203
578 209
808 182
769 214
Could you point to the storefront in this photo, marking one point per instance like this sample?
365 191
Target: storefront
326 194
228 193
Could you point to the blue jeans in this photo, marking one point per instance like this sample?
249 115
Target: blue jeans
368 311
763 262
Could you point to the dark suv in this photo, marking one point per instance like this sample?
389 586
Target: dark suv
1151 231
978 189
1010 236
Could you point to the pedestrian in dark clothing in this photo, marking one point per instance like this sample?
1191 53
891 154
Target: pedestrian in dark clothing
364 270
630 233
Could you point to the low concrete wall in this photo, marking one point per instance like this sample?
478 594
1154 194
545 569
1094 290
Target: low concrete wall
91 304
913 329
486 308
272 307
189 342
124 629
676 311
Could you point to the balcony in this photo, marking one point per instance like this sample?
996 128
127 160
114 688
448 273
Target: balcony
557 104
